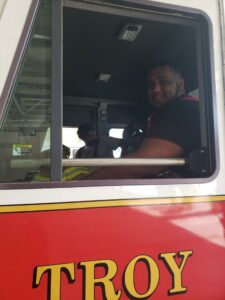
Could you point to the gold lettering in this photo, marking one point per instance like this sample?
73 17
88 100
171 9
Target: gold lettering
175 270
153 273
105 282
54 282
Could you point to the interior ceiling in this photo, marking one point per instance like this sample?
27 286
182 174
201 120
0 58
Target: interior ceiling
91 46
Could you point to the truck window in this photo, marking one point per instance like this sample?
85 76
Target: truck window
107 51
120 46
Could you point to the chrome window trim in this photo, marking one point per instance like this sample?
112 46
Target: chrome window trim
124 162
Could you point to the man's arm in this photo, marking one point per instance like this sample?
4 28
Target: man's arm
150 148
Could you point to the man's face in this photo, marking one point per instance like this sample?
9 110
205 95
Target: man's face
91 136
164 85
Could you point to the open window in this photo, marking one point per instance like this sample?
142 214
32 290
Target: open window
107 50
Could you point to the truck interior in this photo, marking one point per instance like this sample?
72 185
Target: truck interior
106 56
107 51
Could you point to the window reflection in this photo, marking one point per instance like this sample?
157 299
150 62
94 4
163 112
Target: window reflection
27 121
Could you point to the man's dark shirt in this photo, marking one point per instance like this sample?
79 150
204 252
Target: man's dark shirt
178 122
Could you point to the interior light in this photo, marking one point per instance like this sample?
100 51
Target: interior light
103 77
129 32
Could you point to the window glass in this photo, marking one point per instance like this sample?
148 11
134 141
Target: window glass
25 131
47 141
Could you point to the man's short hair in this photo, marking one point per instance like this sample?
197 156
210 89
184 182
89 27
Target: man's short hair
163 63
83 130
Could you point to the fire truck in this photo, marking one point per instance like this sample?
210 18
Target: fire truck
66 62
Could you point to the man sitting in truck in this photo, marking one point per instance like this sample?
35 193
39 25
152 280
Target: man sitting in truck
173 128
96 147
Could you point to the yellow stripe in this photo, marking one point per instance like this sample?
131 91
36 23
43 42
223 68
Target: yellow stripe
106 203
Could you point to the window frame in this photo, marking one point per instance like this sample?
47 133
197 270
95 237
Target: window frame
57 95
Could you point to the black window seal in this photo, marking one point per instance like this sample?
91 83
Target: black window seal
56 92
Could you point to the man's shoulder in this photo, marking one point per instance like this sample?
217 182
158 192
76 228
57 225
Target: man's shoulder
190 98
79 152
177 111
182 105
